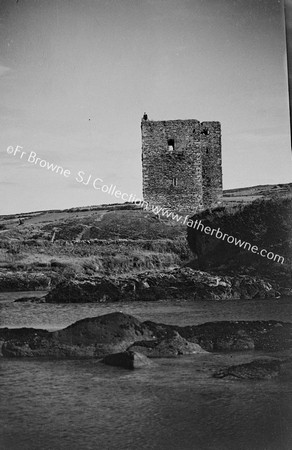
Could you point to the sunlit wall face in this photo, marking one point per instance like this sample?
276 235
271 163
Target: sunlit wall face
76 77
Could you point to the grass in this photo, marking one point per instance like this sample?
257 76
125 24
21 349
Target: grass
108 257
121 239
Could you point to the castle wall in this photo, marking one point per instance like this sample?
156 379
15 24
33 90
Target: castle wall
181 164
172 164
211 163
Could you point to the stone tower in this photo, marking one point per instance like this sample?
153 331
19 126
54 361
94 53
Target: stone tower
181 164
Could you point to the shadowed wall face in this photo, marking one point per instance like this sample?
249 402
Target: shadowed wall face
181 164
211 163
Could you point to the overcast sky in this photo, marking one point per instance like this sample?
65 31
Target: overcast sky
77 75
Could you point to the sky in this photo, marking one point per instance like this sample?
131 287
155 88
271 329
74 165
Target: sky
76 77
288 22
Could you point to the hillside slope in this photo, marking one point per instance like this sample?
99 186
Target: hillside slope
264 225
40 249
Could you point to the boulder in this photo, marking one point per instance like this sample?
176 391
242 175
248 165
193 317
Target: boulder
104 334
169 347
87 338
97 337
128 360
259 369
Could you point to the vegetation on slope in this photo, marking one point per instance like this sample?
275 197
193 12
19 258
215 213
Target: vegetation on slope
263 223
40 249
88 243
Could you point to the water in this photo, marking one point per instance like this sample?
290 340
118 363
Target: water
174 405
54 316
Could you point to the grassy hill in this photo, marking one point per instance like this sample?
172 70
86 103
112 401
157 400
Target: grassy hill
39 249
263 231
109 239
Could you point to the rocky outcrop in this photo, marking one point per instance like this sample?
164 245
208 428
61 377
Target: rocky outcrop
24 342
128 360
99 336
88 338
169 347
259 369
184 283
24 281
105 334
264 223
230 336
243 335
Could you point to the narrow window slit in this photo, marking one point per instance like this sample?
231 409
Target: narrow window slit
170 143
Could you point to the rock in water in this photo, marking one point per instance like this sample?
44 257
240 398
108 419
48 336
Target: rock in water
128 360
97 337
256 370
169 347
104 334
94 337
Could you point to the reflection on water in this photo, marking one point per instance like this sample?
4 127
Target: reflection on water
176 404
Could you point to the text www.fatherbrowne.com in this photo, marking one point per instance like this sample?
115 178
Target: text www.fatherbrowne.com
198 225
111 190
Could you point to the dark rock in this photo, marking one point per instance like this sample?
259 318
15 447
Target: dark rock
127 360
169 347
104 334
238 342
184 283
264 223
87 338
256 370
269 335
23 342
101 289
116 332
24 281
30 300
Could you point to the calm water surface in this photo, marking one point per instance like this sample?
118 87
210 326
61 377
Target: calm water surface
53 316
175 405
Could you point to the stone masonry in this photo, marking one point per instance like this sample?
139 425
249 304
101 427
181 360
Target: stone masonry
181 164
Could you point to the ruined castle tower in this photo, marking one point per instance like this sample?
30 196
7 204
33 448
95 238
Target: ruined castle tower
181 164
